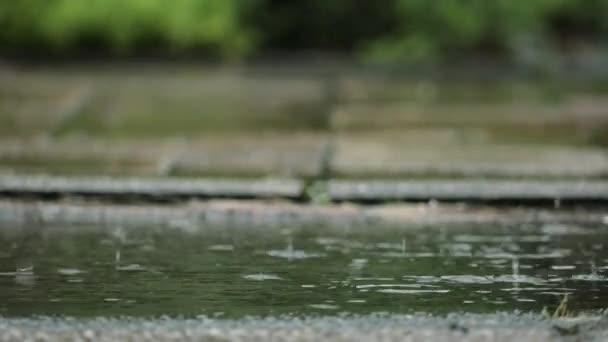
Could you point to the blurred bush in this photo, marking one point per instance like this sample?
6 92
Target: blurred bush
390 30
125 27
430 30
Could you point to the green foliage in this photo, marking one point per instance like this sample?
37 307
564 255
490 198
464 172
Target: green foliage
393 30
126 25
430 29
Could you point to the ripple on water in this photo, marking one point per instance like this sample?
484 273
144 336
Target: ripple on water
69 271
294 254
411 291
517 278
131 268
354 300
563 267
373 278
361 273
563 229
589 277
262 276
221 248
517 289
417 286
555 254
407 255
324 306
75 280
501 238
467 279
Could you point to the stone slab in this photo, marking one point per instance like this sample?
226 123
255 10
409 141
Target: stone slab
437 153
469 190
152 187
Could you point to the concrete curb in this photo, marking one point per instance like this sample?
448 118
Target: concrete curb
469 190
153 187
195 215
293 189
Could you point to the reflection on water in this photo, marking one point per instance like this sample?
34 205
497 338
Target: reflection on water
235 271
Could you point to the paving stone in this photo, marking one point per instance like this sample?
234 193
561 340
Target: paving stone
243 155
468 190
582 111
275 155
436 154
154 187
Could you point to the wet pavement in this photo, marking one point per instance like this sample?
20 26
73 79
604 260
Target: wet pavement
155 257
461 327
239 270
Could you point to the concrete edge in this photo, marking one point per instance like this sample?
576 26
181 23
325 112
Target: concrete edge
280 214
474 190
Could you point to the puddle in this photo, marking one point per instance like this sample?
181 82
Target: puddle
240 271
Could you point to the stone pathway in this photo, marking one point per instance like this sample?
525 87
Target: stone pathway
188 120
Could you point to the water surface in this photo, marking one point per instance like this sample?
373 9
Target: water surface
237 271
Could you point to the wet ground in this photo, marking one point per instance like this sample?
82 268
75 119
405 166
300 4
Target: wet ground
463 327
237 271
91 258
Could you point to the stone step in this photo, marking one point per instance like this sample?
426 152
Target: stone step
151 187
469 190
337 190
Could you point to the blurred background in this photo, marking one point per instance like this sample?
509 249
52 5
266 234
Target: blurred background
309 89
